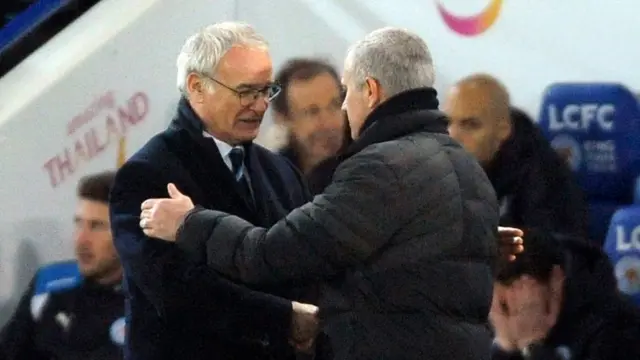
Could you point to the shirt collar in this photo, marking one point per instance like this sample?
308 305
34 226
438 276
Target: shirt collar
223 147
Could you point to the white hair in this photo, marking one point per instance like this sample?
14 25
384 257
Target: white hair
202 51
399 59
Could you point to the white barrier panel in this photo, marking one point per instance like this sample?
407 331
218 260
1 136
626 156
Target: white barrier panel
62 111
527 44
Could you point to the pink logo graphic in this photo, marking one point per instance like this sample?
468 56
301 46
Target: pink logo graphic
472 25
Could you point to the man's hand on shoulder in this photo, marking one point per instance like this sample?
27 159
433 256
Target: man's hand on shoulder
161 218
305 325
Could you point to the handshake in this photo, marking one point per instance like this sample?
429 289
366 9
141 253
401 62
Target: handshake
305 326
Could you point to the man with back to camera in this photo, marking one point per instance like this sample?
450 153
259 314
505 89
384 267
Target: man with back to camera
534 186
176 306
405 234
74 310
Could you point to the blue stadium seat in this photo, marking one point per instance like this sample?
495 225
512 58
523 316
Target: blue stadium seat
596 127
623 248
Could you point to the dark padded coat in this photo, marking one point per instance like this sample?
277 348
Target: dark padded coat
405 237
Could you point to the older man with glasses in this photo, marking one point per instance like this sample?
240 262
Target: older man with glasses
177 307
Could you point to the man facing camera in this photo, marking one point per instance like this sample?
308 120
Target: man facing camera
74 310
535 188
177 307
310 109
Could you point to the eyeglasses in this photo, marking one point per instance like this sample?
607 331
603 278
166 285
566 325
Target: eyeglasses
250 96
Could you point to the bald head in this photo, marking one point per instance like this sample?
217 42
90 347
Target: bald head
479 113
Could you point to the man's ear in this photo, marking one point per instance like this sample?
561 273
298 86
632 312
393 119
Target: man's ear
505 127
375 93
195 87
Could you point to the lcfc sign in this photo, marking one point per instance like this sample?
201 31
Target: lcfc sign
595 128
581 117
623 247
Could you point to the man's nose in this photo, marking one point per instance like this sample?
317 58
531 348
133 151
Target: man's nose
82 235
453 132
260 105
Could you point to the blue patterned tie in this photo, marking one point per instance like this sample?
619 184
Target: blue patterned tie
237 160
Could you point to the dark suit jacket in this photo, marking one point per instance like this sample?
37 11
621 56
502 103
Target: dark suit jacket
176 306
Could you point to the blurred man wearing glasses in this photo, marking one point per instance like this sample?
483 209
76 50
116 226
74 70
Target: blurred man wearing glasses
176 306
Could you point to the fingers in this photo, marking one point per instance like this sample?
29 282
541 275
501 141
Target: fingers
510 252
498 302
510 232
173 191
509 240
148 204
148 232
511 246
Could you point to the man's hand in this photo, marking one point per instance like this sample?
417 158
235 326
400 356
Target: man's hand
499 317
304 325
524 312
510 242
161 218
533 308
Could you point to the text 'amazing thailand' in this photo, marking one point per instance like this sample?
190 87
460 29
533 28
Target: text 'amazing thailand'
99 132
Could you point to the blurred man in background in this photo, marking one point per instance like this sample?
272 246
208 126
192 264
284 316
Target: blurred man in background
558 301
74 310
309 109
534 185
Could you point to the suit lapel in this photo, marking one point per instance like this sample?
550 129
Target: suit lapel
201 159
268 208
212 178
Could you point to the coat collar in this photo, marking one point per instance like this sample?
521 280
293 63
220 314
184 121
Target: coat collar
406 113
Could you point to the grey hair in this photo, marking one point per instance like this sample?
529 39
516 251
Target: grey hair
399 59
202 51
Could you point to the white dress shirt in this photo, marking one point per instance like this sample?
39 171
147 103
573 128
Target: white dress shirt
224 150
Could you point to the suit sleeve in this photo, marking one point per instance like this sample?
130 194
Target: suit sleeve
345 225
17 334
171 282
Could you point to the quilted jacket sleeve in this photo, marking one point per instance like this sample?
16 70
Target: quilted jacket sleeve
356 215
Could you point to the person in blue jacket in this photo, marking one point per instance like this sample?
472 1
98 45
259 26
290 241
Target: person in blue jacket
74 309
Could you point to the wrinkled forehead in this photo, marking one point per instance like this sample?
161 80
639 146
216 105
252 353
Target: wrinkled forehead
248 65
